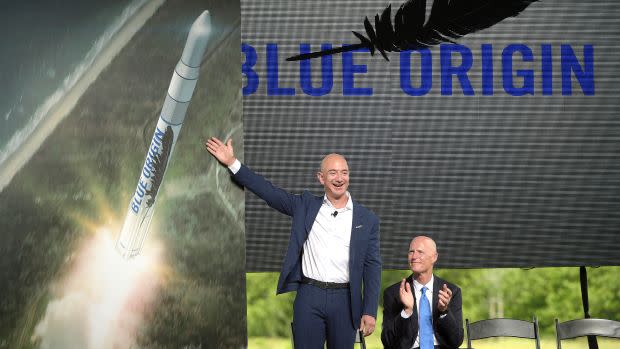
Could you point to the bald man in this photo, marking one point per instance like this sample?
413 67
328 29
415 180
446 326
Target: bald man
422 311
333 251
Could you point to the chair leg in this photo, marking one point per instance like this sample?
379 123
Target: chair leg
557 334
467 330
362 341
536 332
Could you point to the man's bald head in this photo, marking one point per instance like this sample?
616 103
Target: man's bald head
330 158
427 241
422 255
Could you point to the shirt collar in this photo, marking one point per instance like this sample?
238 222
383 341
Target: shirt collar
429 285
348 206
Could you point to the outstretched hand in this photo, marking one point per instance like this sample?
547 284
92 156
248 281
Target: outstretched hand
222 152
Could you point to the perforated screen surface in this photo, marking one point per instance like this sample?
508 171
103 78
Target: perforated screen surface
496 178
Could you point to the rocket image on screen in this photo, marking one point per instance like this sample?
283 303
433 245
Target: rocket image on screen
141 206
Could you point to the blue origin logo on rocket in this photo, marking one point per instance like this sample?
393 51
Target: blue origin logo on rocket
180 91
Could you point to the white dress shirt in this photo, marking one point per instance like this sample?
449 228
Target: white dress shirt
235 167
326 251
417 291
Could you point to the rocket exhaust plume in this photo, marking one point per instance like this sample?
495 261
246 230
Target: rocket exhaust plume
140 211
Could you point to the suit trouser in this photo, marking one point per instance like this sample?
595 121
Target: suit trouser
320 314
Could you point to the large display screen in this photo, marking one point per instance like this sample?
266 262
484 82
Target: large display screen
503 144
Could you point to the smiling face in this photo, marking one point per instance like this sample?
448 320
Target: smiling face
422 255
334 176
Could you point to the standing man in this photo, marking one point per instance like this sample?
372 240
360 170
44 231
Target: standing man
332 251
422 311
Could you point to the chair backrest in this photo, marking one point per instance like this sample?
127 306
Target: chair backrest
359 338
586 327
502 328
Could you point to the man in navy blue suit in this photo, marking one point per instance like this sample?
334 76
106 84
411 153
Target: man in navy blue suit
333 250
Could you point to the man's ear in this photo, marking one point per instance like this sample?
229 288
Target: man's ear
319 176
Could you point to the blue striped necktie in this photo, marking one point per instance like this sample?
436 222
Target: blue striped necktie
426 324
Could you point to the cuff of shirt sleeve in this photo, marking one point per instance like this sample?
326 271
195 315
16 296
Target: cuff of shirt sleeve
235 167
404 315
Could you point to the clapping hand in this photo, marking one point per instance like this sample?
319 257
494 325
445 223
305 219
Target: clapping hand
406 296
445 295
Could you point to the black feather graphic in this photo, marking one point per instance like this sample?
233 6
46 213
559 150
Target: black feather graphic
449 20
159 166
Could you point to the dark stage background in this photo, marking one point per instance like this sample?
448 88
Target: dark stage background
498 180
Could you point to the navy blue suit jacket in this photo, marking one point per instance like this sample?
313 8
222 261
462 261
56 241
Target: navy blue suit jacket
364 256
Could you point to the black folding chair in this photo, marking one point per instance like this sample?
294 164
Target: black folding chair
502 328
586 327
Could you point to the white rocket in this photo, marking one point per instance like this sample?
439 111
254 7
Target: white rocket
140 212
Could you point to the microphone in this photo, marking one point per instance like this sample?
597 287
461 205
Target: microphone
335 214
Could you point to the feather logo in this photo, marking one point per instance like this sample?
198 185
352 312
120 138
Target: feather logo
159 166
449 20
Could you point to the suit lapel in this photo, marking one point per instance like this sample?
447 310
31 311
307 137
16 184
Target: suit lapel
355 234
412 331
311 213
437 283
415 302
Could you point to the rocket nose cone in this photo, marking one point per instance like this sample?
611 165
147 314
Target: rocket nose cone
197 40
202 24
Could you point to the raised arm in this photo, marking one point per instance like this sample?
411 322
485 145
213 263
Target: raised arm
275 197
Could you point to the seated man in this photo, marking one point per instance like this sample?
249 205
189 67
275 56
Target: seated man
422 311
